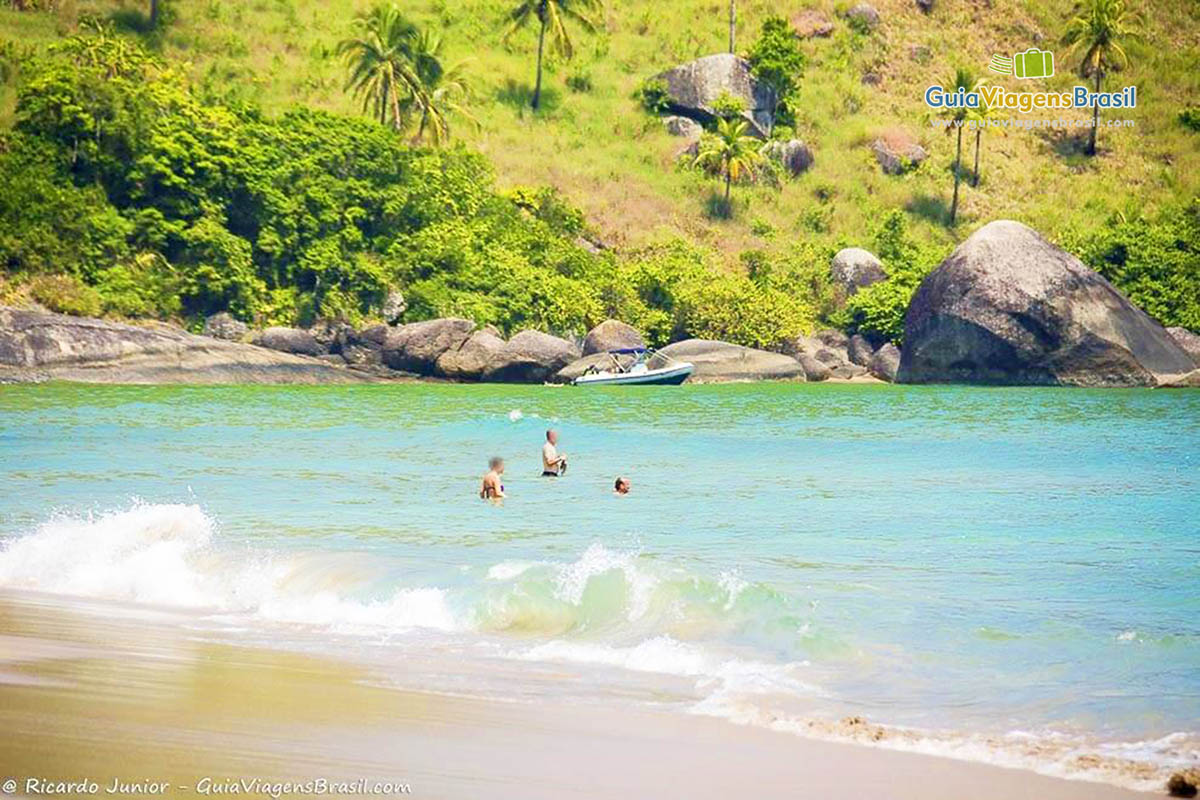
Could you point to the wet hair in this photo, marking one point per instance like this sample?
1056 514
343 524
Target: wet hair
617 483
495 461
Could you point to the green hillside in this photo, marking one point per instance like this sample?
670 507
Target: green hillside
605 154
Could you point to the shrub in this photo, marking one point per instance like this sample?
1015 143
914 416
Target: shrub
878 310
1155 263
653 95
65 294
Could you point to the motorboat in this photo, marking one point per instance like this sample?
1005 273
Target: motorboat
632 365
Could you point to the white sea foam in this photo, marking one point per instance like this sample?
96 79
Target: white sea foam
507 570
163 555
573 578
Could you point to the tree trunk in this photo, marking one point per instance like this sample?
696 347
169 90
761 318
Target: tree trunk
537 89
728 178
153 13
975 179
732 23
957 161
1091 150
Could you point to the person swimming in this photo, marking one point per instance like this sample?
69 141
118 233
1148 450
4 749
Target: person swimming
554 463
622 486
492 488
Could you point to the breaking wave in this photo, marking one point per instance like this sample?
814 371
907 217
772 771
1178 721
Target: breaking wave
606 609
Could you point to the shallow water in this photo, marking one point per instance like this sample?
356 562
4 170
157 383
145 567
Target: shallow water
988 562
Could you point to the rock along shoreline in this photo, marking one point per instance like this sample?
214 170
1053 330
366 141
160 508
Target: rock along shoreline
1006 307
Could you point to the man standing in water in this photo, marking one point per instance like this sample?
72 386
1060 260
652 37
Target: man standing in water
554 463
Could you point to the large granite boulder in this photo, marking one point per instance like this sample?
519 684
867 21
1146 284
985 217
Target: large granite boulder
530 357
814 370
37 346
611 335
811 23
885 362
720 361
692 88
793 155
1189 341
225 326
853 268
682 126
859 350
290 340
1008 307
863 16
898 153
468 361
417 346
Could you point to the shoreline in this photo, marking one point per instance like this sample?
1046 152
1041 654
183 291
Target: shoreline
137 688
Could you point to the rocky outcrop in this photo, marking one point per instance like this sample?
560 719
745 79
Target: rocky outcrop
859 350
1184 783
1008 307
290 340
38 346
897 155
720 361
611 335
682 126
885 362
394 307
793 155
530 357
225 326
470 360
814 370
1189 341
853 268
1190 380
810 23
863 16
693 87
830 354
417 346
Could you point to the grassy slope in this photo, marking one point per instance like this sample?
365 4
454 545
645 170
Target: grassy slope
616 162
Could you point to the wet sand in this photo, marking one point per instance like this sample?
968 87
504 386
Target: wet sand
104 693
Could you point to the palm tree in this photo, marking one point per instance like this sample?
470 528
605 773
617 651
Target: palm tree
444 91
732 23
980 116
729 152
963 79
381 56
551 16
1099 30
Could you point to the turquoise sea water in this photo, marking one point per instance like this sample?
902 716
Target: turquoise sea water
986 567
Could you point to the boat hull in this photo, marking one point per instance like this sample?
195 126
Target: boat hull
672 376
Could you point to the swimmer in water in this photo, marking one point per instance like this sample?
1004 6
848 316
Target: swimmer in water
554 463
622 486
492 488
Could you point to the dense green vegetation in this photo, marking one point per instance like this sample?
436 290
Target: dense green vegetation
233 167
138 199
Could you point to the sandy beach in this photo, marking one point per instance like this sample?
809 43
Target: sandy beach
145 704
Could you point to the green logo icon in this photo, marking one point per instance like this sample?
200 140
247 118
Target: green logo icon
1033 63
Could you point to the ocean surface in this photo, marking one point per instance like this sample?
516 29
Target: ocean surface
1010 575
